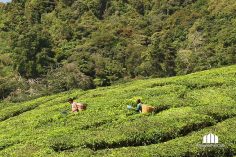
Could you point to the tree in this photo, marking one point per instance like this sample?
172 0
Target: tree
184 61
33 53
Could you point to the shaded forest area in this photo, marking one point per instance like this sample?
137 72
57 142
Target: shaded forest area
49 46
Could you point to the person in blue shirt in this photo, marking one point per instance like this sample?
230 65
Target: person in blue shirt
139 106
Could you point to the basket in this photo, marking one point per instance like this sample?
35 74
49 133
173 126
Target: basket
147 109
82 107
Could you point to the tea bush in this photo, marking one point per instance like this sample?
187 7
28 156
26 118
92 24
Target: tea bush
188 107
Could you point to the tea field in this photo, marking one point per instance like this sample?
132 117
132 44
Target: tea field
188 107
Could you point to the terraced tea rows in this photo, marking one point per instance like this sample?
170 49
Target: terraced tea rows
188 107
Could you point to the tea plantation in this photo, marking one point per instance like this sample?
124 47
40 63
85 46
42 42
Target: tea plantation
188 107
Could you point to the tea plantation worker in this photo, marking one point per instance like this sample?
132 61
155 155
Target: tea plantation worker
139 106
76 106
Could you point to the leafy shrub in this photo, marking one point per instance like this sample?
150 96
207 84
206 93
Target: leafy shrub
68 77
11 86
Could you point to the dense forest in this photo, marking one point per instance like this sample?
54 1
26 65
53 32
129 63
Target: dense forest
49 46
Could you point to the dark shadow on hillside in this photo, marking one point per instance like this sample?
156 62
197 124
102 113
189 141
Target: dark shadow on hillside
6 146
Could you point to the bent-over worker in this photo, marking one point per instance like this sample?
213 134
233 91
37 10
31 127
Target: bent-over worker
76 106
139 106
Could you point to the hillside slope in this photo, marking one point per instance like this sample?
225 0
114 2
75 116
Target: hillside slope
189 107
97 42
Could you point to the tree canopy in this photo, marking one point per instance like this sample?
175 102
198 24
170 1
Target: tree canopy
109 40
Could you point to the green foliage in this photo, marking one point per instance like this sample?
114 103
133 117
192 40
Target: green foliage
67 77
188 107
112 40
33 53
146 38
9 85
